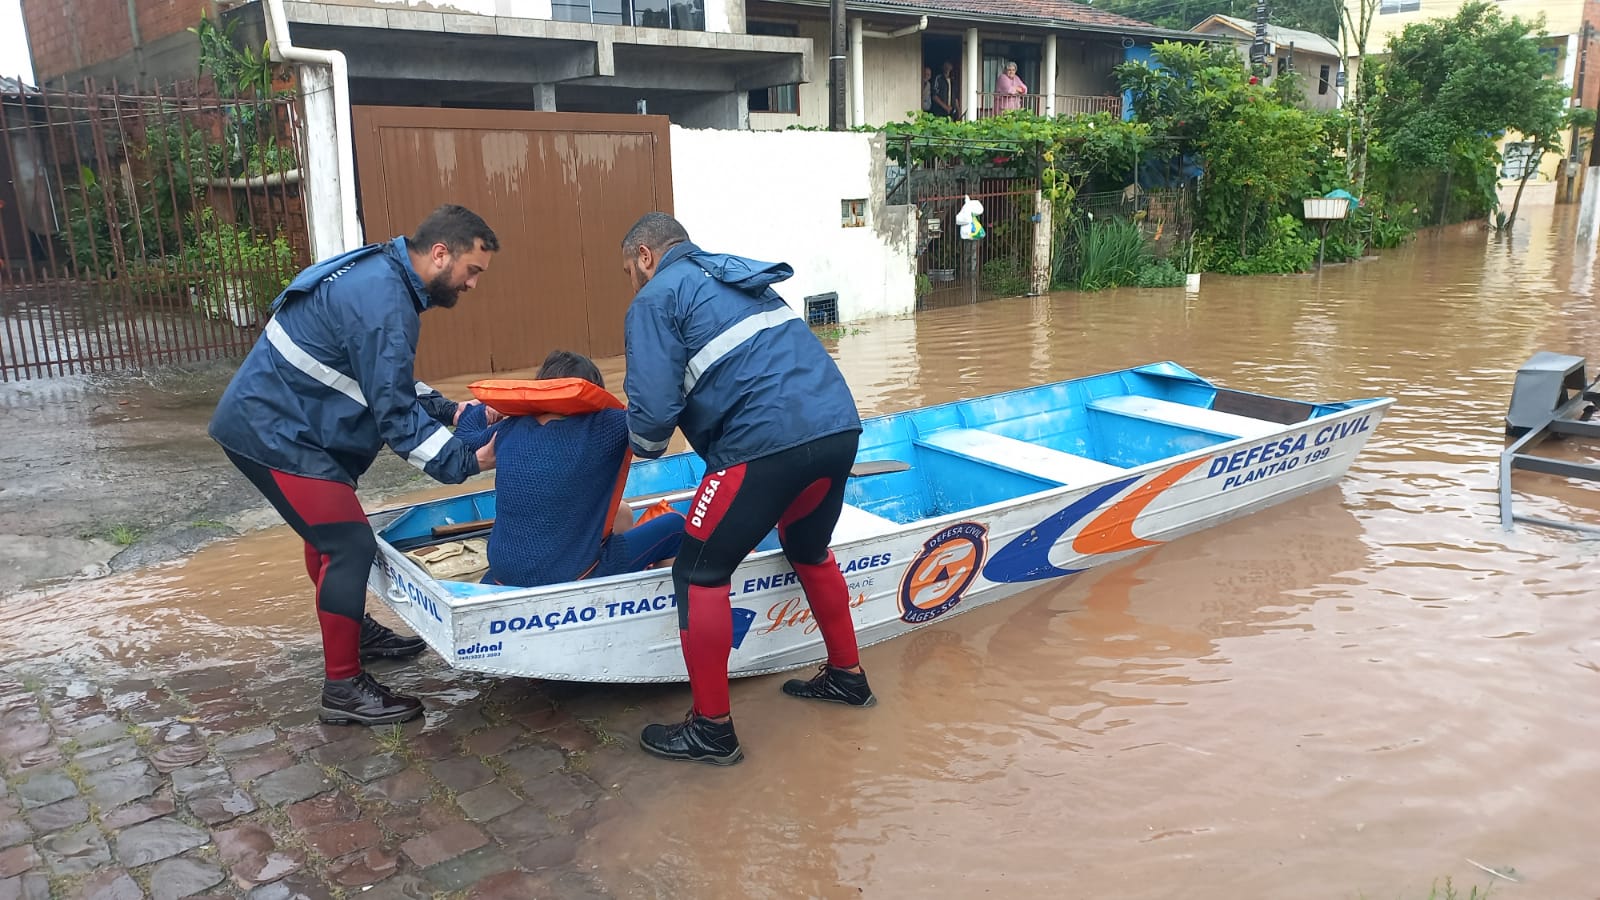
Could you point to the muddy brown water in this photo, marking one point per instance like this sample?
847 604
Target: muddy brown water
1354 693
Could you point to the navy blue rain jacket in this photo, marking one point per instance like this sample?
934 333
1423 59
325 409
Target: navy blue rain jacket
330 380
713 350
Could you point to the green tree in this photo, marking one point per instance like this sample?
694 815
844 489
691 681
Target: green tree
1452 83
1259 152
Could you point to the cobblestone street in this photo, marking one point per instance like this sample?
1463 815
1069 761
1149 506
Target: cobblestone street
220 782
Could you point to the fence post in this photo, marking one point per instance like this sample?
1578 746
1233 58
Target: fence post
1042 234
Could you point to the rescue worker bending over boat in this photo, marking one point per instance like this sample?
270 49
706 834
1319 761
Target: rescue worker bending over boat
559 515
328 384
714 351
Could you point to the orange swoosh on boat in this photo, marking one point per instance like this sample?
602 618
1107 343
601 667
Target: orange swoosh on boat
1112 530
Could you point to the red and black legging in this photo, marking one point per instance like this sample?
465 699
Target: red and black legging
339 551
800 490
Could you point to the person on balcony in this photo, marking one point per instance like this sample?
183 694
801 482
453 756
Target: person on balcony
1009 90
945 86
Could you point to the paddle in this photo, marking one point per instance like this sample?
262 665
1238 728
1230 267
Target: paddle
859 470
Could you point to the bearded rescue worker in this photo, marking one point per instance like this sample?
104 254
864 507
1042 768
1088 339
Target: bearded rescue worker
713 350
325 388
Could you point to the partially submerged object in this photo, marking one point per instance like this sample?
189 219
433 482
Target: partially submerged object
951 507
1552 398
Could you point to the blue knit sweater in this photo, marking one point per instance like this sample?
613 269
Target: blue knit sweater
554 485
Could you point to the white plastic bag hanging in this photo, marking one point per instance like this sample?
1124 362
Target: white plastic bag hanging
967 223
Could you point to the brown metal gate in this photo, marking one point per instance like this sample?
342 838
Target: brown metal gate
559 189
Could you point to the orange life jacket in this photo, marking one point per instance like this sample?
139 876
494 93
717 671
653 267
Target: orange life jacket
561 397
558 396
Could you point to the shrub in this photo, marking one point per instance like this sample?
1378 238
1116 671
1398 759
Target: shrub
1161 273
1111 253
233 263
1006 278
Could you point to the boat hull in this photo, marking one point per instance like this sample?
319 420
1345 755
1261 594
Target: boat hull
905 576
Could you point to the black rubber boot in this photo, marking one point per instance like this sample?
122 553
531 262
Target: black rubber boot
378 642
697 739
363 701
834 686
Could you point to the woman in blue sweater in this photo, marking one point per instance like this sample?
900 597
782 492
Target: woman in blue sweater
555 485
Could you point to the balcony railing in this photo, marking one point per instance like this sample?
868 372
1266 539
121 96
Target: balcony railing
991 104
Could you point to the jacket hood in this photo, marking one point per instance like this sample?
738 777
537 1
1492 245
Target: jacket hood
748 275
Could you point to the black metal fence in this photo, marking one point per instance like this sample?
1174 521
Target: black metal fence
145 229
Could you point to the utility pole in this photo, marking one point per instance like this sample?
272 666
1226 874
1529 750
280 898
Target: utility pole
1258 48
836 55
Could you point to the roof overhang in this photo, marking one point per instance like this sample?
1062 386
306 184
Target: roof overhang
1147 32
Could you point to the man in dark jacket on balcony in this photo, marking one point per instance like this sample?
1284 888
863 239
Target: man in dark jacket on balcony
714 351
328 384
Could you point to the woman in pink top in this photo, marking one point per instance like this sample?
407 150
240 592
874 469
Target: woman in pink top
1008 89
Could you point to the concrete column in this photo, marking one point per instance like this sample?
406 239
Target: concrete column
1569 72
325 195
1047 75
1589 211
971 73
544 97
1042 234
858 89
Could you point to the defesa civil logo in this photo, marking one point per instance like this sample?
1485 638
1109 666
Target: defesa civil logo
940 575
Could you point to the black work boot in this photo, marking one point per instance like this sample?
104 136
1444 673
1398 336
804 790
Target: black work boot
363 701
378 642
834 686
698 739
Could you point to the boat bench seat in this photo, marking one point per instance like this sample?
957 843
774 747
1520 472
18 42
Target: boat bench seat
856 523
1021 456
1185 416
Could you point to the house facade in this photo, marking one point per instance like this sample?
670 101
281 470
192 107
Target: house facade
1314 58
691 61
1065 54
1568 26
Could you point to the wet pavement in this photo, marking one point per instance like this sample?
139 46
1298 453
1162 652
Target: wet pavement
112 472
1355 693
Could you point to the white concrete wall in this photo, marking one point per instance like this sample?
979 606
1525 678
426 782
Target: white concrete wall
775 196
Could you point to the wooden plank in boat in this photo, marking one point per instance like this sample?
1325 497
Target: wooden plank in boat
1186 416
1021 456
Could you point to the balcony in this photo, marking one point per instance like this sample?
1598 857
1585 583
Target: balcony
991 104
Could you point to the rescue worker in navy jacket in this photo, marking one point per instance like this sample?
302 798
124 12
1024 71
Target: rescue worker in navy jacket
327 385
714 351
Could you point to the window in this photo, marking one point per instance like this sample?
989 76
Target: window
1322 80
1398 6
683 16
785 98
853 213
1283 65
1553 56
1519 159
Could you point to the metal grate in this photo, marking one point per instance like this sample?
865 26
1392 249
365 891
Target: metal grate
822 309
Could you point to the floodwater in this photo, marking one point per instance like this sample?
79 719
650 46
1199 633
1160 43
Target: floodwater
1352 694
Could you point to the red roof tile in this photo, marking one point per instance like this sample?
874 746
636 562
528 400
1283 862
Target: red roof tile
1053 10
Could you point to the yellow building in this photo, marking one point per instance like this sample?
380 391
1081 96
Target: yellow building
1565 21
